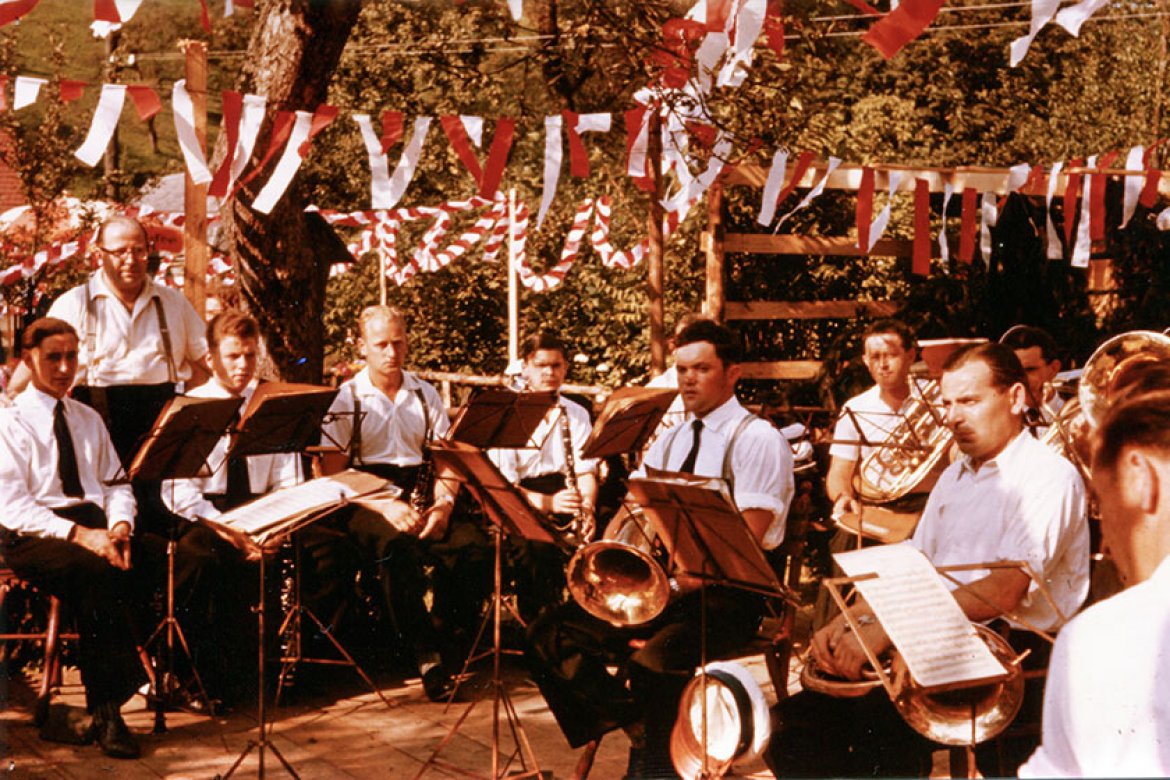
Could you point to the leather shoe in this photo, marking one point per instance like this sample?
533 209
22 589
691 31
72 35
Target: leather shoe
437 684
111 733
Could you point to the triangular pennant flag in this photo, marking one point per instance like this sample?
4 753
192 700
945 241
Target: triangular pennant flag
242 120
230 125
637 142
457 134
1097 233
1149 194
204 16
1054 250
299 140
1072 188
25 91
1083 246
920 262
145 99
493 170
772 186
900 26
101 128
553 156
393 126
106 11
323 116
11 10
71 90
864 209
282 127
802 163
574 125
193 154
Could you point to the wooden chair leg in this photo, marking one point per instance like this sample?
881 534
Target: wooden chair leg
585 762
51 669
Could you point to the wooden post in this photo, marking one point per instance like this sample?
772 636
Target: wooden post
110 158
654 263
712 242
513 286
195 248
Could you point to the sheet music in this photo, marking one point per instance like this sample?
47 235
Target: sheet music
256 516
920 616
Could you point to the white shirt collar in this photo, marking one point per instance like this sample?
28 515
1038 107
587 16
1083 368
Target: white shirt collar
1011 452
721 416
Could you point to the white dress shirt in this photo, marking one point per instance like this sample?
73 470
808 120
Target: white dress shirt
1026 504
1107 698
393 429
128 346
761 463
547 453
865 417
265 472
29 483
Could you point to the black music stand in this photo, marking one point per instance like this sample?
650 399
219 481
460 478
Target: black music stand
707 540
496 417
510 513
176 447
628 418
261 541
282 417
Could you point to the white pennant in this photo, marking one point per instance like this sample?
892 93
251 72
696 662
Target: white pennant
1133 184
251 120
1042 13
105 121
989 215
1017 175
720 151
772 187
944 249
1084 244
749 23
25 91
553 156
379 164
594 123
474 127
1074 16
184 111
1054 250
515 7
878 226
286 169
404 171
126 10
813 193
636 166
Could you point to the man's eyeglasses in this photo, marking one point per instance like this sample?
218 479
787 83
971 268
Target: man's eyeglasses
135 252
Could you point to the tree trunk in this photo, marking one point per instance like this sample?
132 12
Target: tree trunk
281 269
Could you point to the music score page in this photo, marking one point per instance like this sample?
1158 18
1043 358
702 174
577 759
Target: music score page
921 617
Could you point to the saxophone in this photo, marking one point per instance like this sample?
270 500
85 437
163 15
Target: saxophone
573 533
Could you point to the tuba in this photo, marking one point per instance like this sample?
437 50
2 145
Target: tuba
964 716
621 578
1124 362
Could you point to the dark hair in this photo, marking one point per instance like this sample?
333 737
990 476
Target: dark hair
1028 336
896 327
725 340
1005 367
231 322
120 219
1140 420
42 329
543 340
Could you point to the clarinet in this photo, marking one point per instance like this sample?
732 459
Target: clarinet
573 532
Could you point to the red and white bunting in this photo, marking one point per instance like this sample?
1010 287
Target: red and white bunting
25 90
184 110
242 120
11 10
901 25
489 174
386 191
1134 161
1072 17
1054 250
772 186
878 227
1082 247
307 126
813 193
553 156
944 249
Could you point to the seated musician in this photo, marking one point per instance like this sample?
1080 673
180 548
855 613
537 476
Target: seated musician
867 421
385 417
66 527
541 473
570 651
1007 498
221 645
1037 353
1105 709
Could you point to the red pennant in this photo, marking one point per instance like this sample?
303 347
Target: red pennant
704 134
1072 189
905 23
11 11
145 99
282 125
717 13
864 7
233 106
1097 198
680 39
204 17
1149 194
635 119
488 177
864 209
578 156
920 263
802 164
71 90
1035 183
106 11
393 128
774 27
322 117
493 170
3 92
967 225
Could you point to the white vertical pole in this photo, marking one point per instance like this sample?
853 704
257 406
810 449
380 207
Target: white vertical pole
381 278
513 287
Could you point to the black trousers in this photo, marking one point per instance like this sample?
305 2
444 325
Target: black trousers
97 595
569 651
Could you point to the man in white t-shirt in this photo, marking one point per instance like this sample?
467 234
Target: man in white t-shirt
1107 700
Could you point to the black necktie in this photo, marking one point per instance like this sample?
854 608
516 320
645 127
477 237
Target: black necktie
688 464
66 455
238 490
